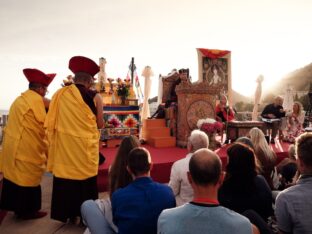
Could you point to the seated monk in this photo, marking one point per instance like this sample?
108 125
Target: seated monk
224 114
183 77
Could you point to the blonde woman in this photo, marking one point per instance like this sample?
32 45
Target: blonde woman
264 153
294 123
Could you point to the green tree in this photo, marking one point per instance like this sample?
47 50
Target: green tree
296 98
249 107
269 98
239 106
304 101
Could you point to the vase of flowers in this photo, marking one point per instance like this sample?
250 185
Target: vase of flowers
210 127
123 92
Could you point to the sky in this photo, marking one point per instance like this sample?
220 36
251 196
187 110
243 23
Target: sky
265 37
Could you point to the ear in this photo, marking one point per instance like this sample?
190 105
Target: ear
189 147
129 170
189 177
221 179
300 165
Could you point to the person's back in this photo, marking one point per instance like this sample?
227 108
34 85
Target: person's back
203 214
178 181
294 205
136 207
178 177
257 196
72 123
199 218
24 151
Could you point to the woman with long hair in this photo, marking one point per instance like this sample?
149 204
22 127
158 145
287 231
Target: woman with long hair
264 153
294 123
243 189
118 176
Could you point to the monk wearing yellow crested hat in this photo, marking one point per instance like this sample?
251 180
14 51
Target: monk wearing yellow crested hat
24 150
73 120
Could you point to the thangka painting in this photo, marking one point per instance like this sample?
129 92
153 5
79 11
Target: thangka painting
214 68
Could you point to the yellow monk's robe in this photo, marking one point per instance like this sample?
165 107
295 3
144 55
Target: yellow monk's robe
72 135
24 150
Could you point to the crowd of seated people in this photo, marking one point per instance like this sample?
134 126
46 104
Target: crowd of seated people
238 200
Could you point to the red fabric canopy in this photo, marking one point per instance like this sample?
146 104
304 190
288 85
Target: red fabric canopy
214 54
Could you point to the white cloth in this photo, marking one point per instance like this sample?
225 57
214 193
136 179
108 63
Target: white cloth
147 73
288 99
160 90
257 98
181 188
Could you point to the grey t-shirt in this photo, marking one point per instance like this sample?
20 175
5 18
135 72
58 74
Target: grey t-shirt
294 207
197 218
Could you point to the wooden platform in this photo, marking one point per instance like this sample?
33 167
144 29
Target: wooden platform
236 129
157 134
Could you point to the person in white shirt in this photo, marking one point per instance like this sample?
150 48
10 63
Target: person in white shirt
178 178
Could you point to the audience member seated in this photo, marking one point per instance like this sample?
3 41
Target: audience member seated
246 141
135 207
243 189
118 177
179 183
204 214
265 155
294 123
273 112
287 170
294 204
224 114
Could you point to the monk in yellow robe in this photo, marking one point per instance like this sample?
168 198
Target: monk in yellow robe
73 120
24 154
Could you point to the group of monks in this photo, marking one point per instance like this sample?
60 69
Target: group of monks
59 136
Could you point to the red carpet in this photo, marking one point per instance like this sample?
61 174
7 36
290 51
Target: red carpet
163 158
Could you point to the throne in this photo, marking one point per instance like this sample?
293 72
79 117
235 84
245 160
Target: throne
169 99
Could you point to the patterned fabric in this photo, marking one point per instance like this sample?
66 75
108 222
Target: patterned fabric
121 121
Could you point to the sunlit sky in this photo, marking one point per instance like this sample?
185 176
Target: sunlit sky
269 37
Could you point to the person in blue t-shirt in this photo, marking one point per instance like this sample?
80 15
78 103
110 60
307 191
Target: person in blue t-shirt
135 207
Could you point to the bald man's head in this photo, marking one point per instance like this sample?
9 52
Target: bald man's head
205 167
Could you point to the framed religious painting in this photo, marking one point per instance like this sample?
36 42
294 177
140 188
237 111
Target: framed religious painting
214 69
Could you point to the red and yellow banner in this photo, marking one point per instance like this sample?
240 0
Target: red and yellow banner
214 54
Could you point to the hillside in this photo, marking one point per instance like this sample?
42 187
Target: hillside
298 79
237 97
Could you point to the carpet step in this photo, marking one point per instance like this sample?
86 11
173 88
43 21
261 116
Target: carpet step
157 132
154 123
161 142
